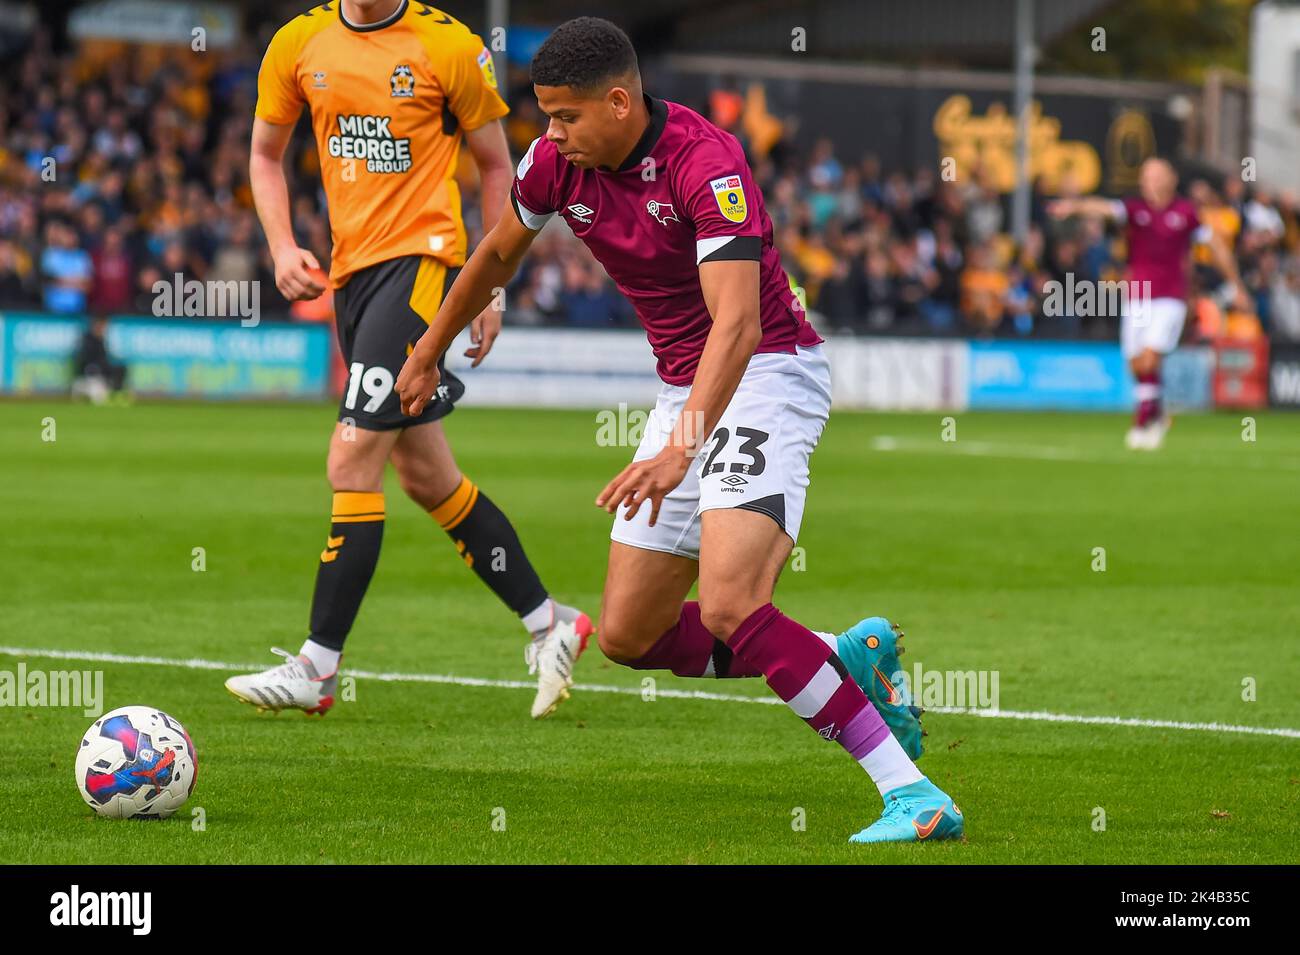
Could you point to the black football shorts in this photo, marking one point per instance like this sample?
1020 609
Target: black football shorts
381 312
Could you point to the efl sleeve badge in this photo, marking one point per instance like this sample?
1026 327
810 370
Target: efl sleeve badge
731 197
489 70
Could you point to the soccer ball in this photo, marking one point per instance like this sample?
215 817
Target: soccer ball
136 763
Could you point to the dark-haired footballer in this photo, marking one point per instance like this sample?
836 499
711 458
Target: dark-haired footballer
393 88
667 203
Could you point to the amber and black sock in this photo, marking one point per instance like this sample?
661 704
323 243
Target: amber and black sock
488 544
346 565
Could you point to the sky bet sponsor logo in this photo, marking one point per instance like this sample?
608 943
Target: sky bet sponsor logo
75 907
368 138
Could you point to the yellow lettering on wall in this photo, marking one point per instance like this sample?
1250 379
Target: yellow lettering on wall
988 143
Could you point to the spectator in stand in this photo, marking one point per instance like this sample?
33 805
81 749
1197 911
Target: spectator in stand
946 262
881 294
984 287
984 216
843 295
872 190
18 286
726 105
1021 299
112 268
65 270
1289 210
588 297
823 166
912 280
1262 218
1284 304
235 259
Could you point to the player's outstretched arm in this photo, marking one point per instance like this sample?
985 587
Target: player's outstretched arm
293 266
1085 206
731 293
486 273
1223 259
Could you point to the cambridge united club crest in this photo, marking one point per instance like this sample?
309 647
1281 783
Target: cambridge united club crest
402 81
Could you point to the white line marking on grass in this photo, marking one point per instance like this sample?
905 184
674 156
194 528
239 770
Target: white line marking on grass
1047 452
980 449
194 663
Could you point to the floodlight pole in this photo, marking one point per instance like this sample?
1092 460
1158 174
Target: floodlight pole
498 15
1024 94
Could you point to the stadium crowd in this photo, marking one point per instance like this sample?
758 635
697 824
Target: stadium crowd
119 172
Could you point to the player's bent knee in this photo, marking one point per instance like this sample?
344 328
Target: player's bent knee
723 618
613 646
622 644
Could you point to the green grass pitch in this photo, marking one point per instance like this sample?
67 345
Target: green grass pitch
983 548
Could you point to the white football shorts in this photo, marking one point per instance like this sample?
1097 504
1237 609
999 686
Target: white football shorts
756 458
1152 323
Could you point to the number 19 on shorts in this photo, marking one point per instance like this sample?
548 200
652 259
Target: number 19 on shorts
376 381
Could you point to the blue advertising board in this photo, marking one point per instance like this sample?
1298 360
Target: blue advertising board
172 357
1187 377
1066 376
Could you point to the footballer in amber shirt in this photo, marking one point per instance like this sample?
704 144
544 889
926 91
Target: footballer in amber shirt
388 109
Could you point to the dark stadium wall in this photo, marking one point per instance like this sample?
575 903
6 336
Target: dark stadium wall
1100 139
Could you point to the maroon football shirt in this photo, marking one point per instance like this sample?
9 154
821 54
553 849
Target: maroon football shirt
685 195
1158 244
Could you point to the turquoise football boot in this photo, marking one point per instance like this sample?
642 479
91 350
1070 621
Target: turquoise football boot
918 812
870 651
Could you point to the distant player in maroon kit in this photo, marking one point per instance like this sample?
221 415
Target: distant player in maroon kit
1160 227
666 202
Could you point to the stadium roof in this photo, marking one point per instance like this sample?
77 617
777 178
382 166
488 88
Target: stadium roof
959 32
954 30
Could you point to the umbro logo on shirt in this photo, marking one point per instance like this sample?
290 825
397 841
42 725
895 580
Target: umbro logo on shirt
581 212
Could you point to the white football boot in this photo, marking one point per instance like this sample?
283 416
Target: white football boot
293 685
552 658
1136 438
1156 432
